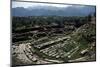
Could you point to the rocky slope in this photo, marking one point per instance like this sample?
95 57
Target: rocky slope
79 45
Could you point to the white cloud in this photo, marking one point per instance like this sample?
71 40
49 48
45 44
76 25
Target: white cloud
28 4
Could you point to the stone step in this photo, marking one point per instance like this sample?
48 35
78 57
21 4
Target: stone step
47 44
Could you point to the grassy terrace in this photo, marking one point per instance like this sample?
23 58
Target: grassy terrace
57 45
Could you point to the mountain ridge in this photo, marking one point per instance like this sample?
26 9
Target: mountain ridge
50 10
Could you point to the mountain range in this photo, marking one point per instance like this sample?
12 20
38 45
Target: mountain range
53 11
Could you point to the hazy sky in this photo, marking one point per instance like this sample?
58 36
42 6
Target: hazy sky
28 4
